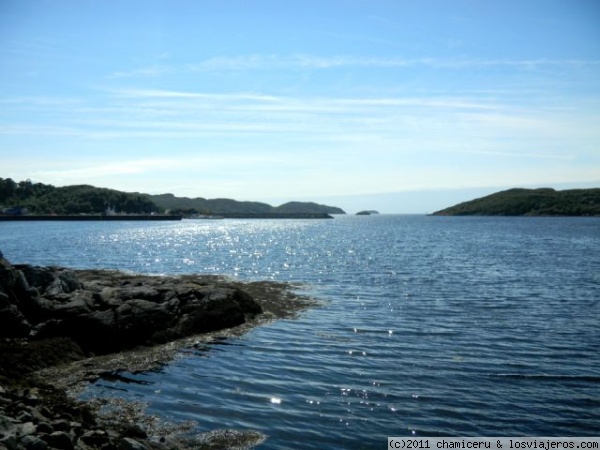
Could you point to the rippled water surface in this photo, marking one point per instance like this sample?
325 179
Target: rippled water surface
430 325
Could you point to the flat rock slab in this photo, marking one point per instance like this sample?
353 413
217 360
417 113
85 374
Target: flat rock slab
54 315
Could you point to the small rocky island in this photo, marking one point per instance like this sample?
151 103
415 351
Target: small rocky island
367 212
56 323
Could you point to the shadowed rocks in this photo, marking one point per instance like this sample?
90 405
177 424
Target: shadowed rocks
53 319
107 311
51 316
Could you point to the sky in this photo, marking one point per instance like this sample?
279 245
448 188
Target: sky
403 106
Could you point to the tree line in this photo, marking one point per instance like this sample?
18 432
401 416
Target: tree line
531 202
39 198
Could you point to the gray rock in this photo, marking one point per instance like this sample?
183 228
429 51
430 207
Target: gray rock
106 312
60 440
25 416
74 304
140 292
26 428
9 441
34 443
38 277
13 323
142 316
45 427
94 438
49 328
4 300
7 425
135 431
61 425
131 444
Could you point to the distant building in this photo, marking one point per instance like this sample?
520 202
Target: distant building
15 211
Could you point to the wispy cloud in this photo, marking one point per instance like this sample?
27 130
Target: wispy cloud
151 71
252 102
38 101
143 113
315 62
163 93
79 170
211 133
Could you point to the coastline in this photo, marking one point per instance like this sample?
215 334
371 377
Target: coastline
85 217
40 379
156 217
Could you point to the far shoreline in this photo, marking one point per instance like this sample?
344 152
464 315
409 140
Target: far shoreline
87 217
157 217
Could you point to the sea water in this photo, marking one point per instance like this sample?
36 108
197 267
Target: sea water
428 326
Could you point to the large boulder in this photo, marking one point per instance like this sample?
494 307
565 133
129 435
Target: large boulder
50 281
13 322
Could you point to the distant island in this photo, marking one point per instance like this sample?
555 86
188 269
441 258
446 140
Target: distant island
367 213
530 202
25 198
233 208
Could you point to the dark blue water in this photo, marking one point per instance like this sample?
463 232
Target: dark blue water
431 325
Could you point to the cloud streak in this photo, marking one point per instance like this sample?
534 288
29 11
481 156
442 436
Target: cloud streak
315 62
379 122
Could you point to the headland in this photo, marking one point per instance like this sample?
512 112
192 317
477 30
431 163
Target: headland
62 328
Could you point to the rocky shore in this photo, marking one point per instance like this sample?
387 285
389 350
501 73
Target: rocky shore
60 328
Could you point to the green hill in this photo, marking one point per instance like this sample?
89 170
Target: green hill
225 206
530 202
38 198
204 206
306 208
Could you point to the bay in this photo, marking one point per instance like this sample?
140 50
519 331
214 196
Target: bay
428 326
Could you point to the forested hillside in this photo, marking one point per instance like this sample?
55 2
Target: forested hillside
226 206
200 205
40 198
530 202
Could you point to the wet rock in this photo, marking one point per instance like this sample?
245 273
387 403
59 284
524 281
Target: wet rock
26 429
131 444
8 441
74 304
51 316
12 321
50 281
61 425
24 416
95 438
22 357
145 292
45 427
135 431
7 430
34 443
60 440
105 312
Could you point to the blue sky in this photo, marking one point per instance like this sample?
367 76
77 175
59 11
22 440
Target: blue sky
403 106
